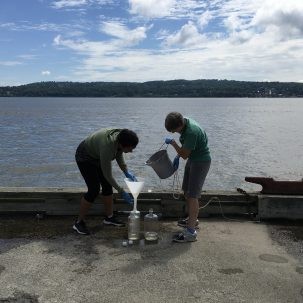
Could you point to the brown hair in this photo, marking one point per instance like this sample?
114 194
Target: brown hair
173 120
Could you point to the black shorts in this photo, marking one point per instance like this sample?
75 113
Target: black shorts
92 174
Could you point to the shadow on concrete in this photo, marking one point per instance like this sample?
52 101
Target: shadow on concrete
289 234
104 243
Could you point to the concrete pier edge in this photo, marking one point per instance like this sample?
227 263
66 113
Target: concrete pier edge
65 201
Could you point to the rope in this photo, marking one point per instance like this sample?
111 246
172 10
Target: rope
222 213
176 180
176 185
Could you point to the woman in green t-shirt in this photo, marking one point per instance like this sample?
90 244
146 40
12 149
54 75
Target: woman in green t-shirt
194 148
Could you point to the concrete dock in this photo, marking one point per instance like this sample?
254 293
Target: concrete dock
249 249
234 260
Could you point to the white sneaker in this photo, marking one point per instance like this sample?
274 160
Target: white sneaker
185 236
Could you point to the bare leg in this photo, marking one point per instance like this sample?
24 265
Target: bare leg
193 211
186 206
84 208
108 205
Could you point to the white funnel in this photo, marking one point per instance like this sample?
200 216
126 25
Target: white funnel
135 188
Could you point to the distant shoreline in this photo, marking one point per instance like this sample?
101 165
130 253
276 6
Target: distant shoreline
158 89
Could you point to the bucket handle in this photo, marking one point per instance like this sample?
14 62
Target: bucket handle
162 146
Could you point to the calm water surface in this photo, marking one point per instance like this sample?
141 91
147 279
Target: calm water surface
247 137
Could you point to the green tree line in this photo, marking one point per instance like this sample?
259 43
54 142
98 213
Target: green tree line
172 88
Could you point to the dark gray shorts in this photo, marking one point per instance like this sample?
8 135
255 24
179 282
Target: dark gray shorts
194 177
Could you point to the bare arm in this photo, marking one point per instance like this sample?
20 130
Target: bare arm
181 151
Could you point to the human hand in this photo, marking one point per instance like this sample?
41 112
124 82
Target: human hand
127 197
130 176
169 140
176 162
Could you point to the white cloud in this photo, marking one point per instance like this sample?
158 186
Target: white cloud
10 63
44 27
204 19
171 9
255 59
286 16
151 8
87 48
27 57
234 39
243 46
45 73
7 25
187 36
244 8
75 33
122 37
68 3
120 31
233 23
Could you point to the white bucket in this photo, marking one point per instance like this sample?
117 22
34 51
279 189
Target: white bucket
161 164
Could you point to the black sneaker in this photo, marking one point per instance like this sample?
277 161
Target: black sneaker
80 228
113 221
184 223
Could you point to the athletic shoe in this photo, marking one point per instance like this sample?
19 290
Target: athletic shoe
113 221
185 236
80 228
184 223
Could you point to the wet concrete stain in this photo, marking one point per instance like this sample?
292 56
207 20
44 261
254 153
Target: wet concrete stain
88 248
299 269
2 268
226 231
230 271
20 297
84 270
49 251
301 292
273 258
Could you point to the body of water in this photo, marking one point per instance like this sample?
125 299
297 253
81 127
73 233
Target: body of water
247 137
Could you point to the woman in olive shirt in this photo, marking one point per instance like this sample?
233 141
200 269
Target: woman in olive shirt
94 156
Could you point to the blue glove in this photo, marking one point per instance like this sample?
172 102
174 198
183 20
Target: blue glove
130 176
127 197
169 140
176 162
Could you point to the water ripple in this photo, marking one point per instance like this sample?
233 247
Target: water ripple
247 137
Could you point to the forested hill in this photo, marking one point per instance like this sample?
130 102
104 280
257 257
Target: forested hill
173 88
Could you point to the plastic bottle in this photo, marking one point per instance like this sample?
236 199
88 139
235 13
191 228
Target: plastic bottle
134 225
151 226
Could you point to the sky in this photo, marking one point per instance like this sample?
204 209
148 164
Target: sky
146 40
